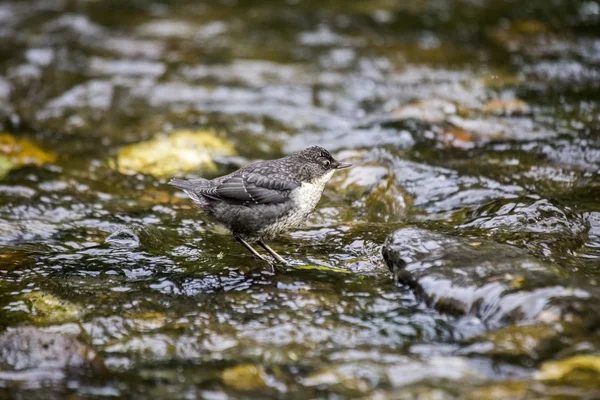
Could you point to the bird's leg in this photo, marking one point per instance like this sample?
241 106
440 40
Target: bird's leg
272 252
250 248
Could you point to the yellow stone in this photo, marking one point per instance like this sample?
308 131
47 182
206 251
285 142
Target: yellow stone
20 151
48 309
245 377
169 155
555 370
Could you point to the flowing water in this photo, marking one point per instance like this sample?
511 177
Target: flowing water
474 127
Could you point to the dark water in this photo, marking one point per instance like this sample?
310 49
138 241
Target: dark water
475 130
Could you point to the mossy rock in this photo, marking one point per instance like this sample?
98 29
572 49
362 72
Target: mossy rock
47 309
245 377
5 166
16 152
517 340
168 155
584 369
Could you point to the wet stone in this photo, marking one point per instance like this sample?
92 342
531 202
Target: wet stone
45 308
585 367
176 153
124 237
476 119
439 190
245 377
372 193
32 348
348 379
499 284
537 225
521 342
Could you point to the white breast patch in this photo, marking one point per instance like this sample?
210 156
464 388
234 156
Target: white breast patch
308 194
305 198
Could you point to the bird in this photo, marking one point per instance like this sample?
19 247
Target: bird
265 198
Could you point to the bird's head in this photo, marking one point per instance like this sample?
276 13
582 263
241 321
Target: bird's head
318 163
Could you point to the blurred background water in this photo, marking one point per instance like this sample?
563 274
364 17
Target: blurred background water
474 127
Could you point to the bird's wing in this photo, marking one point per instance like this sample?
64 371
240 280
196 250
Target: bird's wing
244 187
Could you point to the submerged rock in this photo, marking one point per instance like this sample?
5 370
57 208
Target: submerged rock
31 348
46 308
537 225
515 341
438 190
148 238
124 237
350 379
497 283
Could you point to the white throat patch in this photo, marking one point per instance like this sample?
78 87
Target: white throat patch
323 179
308 194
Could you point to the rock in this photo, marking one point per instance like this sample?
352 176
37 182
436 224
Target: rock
372 192
508 390
438 190
245 377
350 379
20 152
46 308
179 152
147 237
5 166
497 283
31 348
515 341
581 367
537 225
124 237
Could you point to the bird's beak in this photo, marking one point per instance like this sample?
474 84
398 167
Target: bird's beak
342 165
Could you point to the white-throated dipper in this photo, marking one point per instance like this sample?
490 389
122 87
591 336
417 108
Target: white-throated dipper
265 198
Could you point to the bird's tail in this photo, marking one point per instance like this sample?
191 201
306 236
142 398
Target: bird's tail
185 184
188 186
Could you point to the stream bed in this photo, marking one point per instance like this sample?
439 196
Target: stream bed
459 258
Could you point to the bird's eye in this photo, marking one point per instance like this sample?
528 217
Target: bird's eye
326 163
